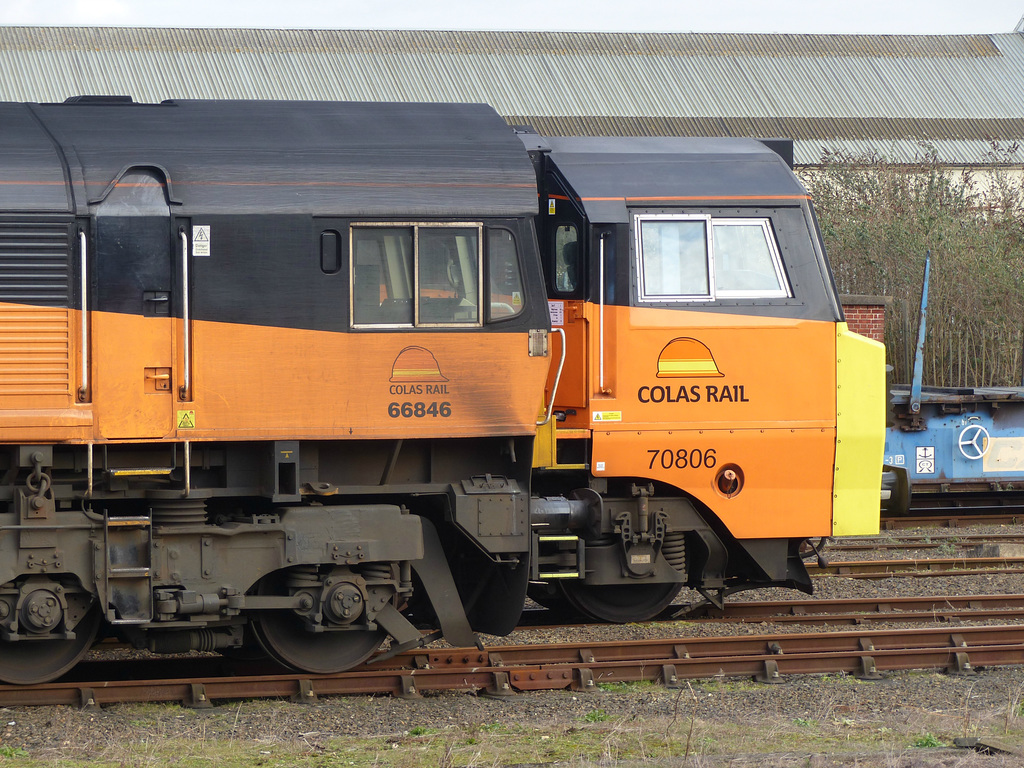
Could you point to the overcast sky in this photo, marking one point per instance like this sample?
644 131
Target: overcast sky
794 16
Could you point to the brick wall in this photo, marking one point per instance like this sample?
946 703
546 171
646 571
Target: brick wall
866 315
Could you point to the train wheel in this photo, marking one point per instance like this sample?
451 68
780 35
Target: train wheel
620 603
323 653
29 662
285 638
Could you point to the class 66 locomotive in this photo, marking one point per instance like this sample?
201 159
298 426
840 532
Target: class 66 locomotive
304 380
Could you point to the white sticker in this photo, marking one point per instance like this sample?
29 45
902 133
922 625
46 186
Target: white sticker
551 206
599 466
201 240
926 460
557 311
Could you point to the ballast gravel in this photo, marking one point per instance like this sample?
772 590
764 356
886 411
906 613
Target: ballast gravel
906 720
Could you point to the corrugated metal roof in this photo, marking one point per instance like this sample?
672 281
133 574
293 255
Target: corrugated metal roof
885 92
436 42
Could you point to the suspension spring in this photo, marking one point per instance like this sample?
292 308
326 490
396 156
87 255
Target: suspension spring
673 549
377 572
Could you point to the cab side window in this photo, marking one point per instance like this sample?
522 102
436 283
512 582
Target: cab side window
382 283
747 262
675 261
416 275
506 277
449 275
699 257
567 258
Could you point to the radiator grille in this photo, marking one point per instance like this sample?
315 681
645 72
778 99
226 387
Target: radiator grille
35 293
34 263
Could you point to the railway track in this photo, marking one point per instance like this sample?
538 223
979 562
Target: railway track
959 510
505 670
948 566
501 670
922 541
947 520
867 610
937 608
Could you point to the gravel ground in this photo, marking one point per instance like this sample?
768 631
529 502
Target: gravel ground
907 720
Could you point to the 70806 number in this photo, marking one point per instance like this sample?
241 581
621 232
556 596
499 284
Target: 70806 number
666 458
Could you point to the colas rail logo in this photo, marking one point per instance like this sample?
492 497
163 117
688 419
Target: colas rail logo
416 372
688 358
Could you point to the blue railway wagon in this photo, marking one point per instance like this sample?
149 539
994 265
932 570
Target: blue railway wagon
968 440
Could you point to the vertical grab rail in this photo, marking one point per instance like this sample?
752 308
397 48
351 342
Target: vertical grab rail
600 326
558 378
186 385
83 389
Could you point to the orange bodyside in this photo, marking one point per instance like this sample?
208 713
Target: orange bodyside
256 382
685 394
40 375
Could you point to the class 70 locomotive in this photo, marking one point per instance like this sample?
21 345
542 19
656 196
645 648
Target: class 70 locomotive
299 378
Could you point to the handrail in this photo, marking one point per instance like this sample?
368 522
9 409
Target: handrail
186 385
558 378
600 326
83 389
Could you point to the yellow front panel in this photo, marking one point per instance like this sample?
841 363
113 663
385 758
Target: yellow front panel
860 398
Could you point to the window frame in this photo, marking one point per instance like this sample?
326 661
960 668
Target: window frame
415 226
785 291
578 262
490 319
663 298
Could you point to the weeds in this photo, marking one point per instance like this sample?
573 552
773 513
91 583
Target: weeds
926 741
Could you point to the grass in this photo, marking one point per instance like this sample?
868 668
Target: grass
628 722
607 740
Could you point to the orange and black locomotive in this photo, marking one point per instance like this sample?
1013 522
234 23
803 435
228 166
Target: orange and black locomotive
281 376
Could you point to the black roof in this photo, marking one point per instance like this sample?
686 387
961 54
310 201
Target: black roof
608 173
327 158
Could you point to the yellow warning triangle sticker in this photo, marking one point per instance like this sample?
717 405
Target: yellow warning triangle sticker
186 419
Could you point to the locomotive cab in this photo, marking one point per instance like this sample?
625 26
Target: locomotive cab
695 426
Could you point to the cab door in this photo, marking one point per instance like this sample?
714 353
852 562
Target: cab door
564 255
132 322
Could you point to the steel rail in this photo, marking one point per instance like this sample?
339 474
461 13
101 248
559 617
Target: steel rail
922 541
580 666
949 520
861 610
841 611
947 566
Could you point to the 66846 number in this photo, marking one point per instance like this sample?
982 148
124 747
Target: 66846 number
420 410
